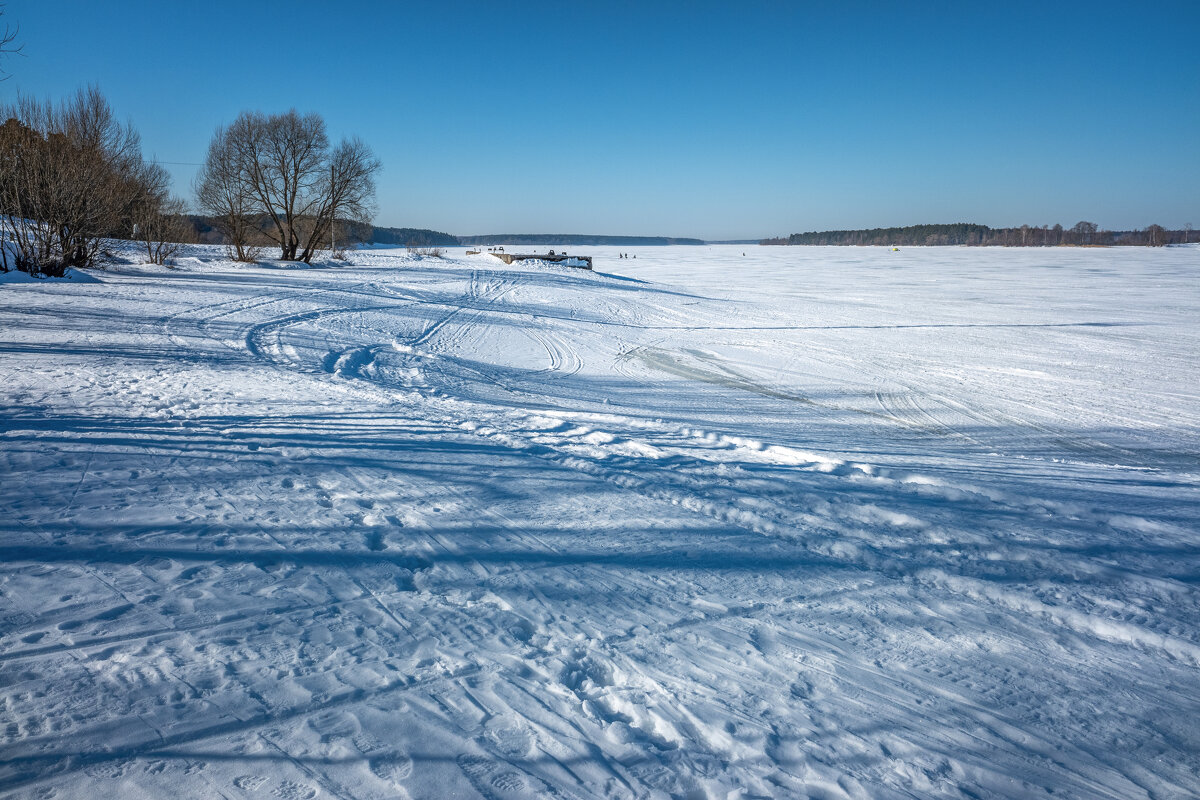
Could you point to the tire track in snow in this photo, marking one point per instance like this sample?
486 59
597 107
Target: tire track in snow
565 360
480 297
205 316
51 765
923 408
211 626
200 318
264 340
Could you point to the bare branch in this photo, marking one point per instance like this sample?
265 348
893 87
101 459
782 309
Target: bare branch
7 48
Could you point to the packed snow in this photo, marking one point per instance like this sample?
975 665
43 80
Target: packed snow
737 522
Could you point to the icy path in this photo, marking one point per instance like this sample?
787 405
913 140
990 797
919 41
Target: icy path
803 523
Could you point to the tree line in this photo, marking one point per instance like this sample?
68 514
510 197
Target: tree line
410 237
1081 234
73 176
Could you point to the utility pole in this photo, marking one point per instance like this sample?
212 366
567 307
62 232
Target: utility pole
332 212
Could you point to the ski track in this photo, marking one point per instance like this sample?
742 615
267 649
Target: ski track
423 527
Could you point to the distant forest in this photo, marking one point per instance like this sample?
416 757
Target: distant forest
348 233
1081 234
412 237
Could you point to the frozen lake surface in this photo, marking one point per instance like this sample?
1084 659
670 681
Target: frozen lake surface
714 522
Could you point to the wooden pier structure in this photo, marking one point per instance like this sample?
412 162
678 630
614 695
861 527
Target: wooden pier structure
509 258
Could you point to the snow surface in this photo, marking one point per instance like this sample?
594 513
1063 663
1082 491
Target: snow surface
804 522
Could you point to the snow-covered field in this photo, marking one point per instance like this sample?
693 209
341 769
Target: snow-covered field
802 522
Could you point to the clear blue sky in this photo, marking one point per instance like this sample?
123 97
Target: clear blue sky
715 120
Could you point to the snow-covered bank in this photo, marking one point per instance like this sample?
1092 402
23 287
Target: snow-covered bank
71 274
805 522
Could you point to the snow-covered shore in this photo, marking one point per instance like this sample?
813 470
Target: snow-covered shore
803 522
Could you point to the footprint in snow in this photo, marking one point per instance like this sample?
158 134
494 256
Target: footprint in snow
392 767
494 781
250 782
508 781
156 562
335 724
109 769
290 790
509 740
367 743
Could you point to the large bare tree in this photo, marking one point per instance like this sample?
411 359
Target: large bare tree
289 175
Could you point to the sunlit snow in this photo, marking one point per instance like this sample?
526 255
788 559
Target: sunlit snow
735 522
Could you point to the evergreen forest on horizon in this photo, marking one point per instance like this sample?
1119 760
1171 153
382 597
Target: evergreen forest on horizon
1083 234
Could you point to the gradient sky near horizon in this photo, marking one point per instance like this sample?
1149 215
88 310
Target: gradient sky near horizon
716 120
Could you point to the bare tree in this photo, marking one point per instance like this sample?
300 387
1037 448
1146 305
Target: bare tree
292 178
156 218
282 159
225 194
1156 235
66 181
